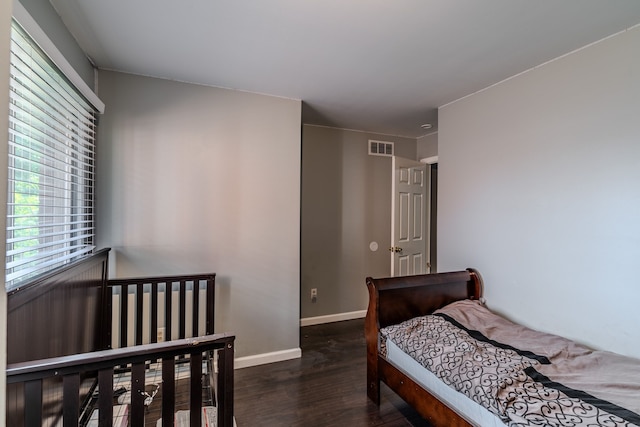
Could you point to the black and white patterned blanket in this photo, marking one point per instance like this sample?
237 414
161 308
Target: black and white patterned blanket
524 384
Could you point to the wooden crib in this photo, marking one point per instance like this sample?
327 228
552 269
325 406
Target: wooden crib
74 337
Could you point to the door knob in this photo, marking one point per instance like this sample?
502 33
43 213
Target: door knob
395 249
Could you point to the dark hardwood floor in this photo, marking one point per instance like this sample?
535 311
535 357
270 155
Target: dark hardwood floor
326 387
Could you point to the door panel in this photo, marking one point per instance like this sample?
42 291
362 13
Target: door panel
409 230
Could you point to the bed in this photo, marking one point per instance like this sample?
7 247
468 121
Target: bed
431 340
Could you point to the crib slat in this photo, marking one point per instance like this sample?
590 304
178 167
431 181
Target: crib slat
183 303
168 295
124 315
33 395
137 394
105 397
168 391
107 315
139 317
71 401
195 405
153 333
211 295
195 310
225 386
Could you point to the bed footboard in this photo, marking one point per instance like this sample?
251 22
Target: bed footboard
395 299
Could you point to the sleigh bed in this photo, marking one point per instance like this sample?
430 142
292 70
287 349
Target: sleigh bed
432 341
84 350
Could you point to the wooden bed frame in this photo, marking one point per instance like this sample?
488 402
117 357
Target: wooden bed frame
396 299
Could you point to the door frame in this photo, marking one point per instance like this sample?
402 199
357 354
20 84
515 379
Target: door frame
432 162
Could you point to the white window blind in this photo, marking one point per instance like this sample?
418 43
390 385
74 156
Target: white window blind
51 166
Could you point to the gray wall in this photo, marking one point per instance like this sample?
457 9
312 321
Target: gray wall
539 190
346 205
427 146
49 20
200 179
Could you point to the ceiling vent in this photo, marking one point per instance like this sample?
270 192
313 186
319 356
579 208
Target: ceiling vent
380 148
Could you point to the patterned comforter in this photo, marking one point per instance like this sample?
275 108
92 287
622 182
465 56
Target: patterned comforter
525 377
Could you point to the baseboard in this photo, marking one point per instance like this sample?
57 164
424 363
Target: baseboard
318 320
294 353
264 358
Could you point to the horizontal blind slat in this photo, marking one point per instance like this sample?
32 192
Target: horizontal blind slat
24 94
42 236
52 132
33 59
51 256
42 267
49 244
41 142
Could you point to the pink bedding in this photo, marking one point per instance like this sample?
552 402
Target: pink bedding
525 377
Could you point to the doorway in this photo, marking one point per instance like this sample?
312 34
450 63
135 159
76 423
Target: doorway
433 218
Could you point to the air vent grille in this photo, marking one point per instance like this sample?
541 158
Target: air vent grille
380 148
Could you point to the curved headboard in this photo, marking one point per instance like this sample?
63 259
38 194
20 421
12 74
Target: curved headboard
59 313
395 299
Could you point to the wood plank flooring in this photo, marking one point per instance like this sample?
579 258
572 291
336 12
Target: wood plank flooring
326 387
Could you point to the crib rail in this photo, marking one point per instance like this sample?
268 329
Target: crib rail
70 369
159 304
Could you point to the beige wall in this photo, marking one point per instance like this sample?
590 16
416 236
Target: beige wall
539 190
427 146
200 179
346 205
49 21
5 31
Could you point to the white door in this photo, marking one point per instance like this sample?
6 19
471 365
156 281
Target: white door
409 218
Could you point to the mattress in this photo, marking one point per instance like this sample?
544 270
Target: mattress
518 375
465 407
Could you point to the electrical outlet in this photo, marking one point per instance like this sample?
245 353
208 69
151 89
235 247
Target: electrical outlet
160 335
314 294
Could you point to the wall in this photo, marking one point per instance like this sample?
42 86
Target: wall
346 205
5 31
200 179
48 19
427 146
539 191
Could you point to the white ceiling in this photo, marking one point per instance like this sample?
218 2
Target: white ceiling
383 66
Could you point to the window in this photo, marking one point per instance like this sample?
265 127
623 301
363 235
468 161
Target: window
51 165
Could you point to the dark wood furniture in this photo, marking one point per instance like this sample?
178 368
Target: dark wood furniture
60 334
156 289
70 369
395 299
59 313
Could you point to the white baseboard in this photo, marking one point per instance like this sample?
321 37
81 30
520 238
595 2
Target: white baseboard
294 353
264 358
308 321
